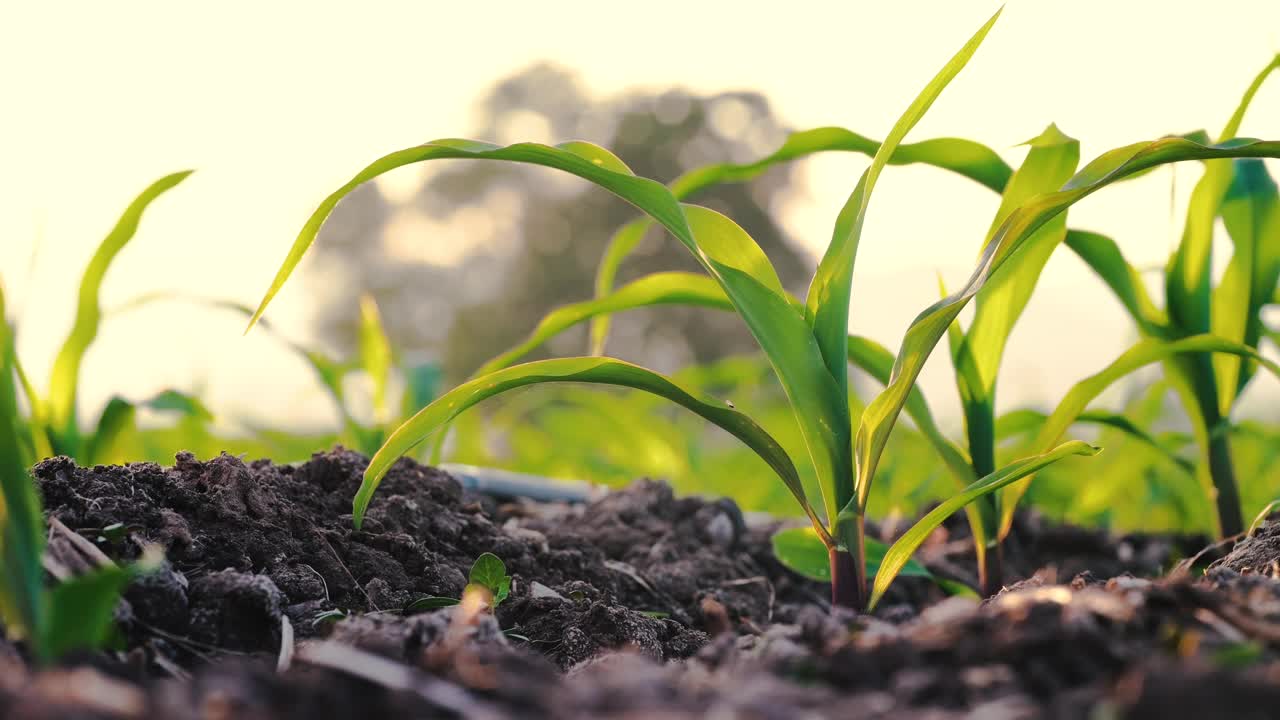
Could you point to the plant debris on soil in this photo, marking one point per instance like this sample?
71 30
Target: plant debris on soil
638 604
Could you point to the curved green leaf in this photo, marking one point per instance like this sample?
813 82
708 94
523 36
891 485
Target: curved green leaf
827 305
1104 258
1025 421
666 288
724 250
64 378
1187 278
963 157
929 326
1084 392
1251 213
899 554
594 370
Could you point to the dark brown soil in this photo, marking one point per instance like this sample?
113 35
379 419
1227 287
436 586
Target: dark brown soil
639 604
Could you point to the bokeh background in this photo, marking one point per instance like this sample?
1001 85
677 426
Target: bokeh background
276 104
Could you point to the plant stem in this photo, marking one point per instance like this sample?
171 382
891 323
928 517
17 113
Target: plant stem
1222 470
849 564
992 580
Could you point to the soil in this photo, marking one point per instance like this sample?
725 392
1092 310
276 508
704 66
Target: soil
638 604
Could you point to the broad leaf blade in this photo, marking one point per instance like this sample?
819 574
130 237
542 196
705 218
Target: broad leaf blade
899 554
64 378
601 371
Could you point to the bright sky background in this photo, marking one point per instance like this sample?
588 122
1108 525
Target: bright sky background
277 103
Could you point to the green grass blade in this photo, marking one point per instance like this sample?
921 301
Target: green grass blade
64 379
1188 276
1251 213
21 522
925 331
963 157
1104 258
827 305
899 554
592 370
1073 404
375 356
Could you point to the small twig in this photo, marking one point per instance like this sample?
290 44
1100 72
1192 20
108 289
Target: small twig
395 676
285 658
345 569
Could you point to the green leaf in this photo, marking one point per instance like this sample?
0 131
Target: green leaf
179 402
21 522
899 554
804 553
1104 258
1026 420
375 356
1082 393
666 288
118 420
726 252
1187 278
64 378
488 571
1050 163
1251 213
827 305
81 611
928 327
964 157
604 371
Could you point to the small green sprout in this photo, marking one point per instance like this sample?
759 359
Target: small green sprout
488 576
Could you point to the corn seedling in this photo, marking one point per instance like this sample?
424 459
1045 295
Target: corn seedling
376 359
807 345
53 427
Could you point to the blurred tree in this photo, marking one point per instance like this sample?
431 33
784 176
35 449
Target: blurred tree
465 263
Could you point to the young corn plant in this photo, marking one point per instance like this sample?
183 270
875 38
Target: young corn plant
75 614
376 359
806 344
53 427
1239 191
